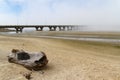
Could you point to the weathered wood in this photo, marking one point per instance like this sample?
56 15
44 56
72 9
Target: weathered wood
32 61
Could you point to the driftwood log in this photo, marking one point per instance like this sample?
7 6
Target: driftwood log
32 61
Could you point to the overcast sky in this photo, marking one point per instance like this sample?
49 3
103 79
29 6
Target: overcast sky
78 12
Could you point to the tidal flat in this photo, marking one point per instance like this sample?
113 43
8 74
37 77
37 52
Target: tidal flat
68 59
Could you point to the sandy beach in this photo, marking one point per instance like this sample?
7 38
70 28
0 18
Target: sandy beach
68 59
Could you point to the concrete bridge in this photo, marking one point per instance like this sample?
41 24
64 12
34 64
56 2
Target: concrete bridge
19 28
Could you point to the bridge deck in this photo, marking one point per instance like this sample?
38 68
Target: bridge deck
13 26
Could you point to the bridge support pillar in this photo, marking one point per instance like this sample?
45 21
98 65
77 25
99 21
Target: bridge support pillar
39 28
69 28
19 29
52 28
62 28
36 28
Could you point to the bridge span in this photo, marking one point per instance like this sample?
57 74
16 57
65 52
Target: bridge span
19 28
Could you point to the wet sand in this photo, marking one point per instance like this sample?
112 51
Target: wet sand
68 59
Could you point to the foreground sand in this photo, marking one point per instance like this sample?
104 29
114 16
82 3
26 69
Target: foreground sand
68 60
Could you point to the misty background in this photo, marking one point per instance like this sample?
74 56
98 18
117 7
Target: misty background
95 15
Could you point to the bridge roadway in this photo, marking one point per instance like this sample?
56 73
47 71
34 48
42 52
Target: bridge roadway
19 28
